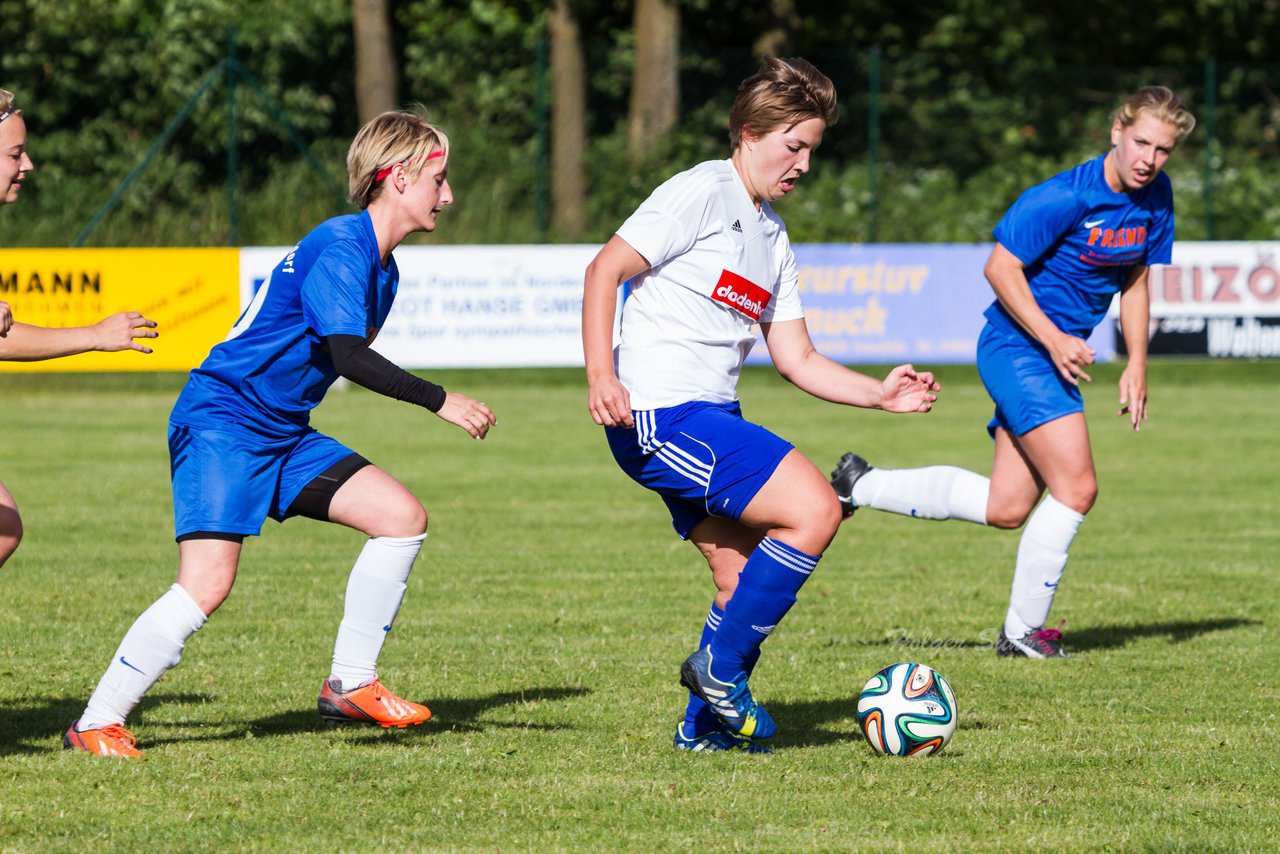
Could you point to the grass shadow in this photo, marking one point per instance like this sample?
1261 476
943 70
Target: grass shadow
1175 631
25 726
813 723
1077 640
816 723
454 715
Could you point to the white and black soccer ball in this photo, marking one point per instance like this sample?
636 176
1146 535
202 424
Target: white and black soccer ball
907 709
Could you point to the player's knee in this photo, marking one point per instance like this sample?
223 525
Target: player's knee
1081 497
210 593
10 537
1007 518
410 519
1008 512
821 521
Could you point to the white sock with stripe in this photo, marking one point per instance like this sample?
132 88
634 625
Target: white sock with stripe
932 492
152 645
1042 558
374 593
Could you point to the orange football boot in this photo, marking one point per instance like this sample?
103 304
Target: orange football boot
368 704
110 740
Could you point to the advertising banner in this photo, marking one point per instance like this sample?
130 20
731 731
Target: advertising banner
190 293
512 306
475 306
895 303
1218 299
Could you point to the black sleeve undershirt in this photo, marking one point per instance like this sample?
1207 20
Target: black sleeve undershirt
353 359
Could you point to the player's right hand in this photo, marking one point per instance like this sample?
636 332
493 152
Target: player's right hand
610 403
470 415
120 331
6 319
1070 354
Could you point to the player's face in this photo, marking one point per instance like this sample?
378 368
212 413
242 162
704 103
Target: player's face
14 162
430 192
1141 150
773 162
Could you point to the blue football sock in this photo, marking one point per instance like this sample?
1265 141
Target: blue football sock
766 590
698 717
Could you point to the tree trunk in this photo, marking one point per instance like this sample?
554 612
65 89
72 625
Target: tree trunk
568 123
376 81
655 81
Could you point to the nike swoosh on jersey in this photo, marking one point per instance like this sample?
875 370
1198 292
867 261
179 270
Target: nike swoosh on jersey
1096 222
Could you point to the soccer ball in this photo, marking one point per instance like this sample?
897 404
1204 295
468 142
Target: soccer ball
907 709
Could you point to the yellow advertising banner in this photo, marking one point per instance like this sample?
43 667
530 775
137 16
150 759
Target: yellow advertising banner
192 294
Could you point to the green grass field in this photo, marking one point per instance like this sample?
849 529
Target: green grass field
552 606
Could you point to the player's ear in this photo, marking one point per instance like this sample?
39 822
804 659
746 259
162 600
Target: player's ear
1116 130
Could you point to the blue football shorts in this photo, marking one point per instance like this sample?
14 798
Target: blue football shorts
704 459
1020 377
230 480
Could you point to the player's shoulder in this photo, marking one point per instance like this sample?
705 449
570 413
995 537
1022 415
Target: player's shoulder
353 227
348 237
702 181
1068 189
709 172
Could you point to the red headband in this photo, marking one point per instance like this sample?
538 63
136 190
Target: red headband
382 173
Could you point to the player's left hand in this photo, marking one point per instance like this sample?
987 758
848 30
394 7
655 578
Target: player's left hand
908 390
470 415
6 319
1133 396
119 331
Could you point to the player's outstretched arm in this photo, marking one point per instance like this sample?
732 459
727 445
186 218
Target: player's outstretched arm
26 343
796 359
353 359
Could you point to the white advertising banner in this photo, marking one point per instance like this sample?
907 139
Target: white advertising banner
1218 279
473 306
521 306
1219 299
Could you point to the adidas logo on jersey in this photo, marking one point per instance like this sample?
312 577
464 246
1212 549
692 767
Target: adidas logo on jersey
737 226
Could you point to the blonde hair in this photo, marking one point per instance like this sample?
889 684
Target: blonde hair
393 137
780 95
6 101
1160 103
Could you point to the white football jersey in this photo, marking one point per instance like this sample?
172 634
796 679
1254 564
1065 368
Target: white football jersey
717 268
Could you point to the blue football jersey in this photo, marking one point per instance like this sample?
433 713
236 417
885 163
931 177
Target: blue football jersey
274 368
1079 240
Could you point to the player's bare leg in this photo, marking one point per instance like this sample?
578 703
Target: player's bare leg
1060 456
377 504
10 525
154 644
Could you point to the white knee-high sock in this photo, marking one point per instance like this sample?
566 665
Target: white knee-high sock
1042 557
374 594
933 492
152 645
